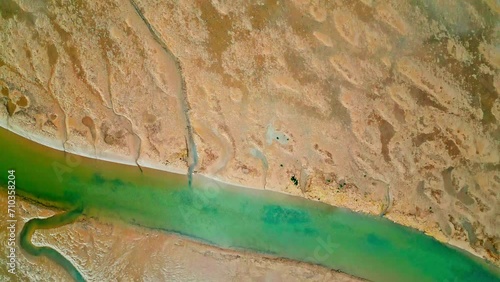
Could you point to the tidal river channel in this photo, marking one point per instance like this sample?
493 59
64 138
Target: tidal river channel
226 216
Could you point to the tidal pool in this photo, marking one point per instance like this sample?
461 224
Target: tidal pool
227 216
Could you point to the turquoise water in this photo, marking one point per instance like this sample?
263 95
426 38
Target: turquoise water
232 217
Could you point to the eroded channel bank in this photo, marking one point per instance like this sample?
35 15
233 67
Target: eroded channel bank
234 217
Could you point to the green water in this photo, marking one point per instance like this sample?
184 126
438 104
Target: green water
47 223
231 217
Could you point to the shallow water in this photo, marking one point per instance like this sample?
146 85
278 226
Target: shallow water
47 223
231 217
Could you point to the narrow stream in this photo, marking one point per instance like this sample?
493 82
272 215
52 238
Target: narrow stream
47 223
181 95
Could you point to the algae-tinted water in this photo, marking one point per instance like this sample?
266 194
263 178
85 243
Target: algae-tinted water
233 217
52 222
